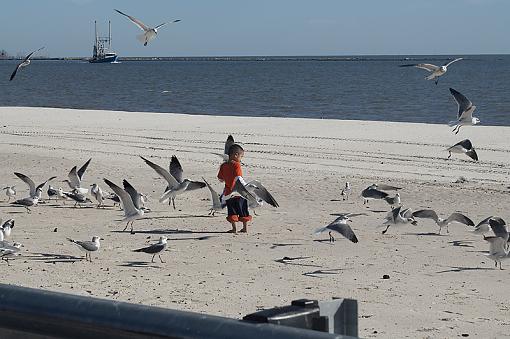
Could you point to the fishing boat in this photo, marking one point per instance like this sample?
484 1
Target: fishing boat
102 47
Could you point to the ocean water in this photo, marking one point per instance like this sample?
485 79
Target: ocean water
361 88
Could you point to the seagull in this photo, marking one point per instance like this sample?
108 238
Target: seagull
35 191
78 197
137 198
398 216
97 193
75 178
52 192
465 146
7 251
216 200
346 191
498 250
454 217
465 113
149 33
176 185
339 225
483 226
88 246
254 192
10 192
154 249
228 143
372 193
436 71
392 201
115 198
24 63
61 195
6 228
131 213
498 226
384 187
30 201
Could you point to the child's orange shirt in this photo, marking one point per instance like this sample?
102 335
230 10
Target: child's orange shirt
228 172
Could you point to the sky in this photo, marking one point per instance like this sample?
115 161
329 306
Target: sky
260 27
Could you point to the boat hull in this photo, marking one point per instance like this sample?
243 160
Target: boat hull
108 59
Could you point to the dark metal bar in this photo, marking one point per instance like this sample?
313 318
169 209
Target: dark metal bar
35 314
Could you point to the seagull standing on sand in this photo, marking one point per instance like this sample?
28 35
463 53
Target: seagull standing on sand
7 251
454 217
78 197
465 146
217 206
465 112
131 213
398 216
30 201
346 191
24 63
154 249
436 71
10 192
148 32
88 246
97 193
176 184
76 177
339 225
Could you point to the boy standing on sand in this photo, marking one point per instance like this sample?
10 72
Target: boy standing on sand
229 172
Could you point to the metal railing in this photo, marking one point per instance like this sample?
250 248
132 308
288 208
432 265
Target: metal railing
34 313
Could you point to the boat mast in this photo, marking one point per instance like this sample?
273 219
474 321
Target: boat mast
109 35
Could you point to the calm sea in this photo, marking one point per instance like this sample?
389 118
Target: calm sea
364 88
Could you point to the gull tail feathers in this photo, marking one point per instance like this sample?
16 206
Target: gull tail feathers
320 230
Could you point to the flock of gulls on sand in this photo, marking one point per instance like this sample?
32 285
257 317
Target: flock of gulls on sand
132 201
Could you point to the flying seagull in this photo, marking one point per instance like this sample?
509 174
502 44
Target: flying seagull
483 226
131 213
88 246
228 143
436 71
465 112
339 225
255 193
176 185
454 217
76 177
399 216
465 146
216 200
35 191
24 63
372 193
148 32
154 249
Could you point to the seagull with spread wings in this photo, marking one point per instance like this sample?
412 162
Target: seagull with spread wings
35 191
465 146
436 71
454 217
340 225
149 33
76 177
131 212
465 112
254 192
24 63
217 206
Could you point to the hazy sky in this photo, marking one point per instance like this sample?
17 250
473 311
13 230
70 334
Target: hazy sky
261 27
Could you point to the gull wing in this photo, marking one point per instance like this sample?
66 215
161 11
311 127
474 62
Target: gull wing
407 213
133 193
484 221
82 169
176 169
127 202
384 187
451 62
427 67
137 22
215 197
86 245
239 188
194 185
165 23
230 141
162 172
15 71
74 179
430 214
152 249
373 193
464 103
44 183
498 226
466 144
340 226
27 181
255 187
459 217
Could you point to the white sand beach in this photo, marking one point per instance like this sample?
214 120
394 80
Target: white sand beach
439 286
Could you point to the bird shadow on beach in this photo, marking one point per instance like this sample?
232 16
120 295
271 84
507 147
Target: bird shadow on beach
324 272
290 261
433 234
72 206
17 212
177 217
457 269
324 241
147 264
172 231
53 258
461 243
275 245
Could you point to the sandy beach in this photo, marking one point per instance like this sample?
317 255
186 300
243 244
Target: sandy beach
439 287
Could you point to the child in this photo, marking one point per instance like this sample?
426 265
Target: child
230 172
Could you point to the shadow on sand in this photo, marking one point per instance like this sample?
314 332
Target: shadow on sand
147 264
52 258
